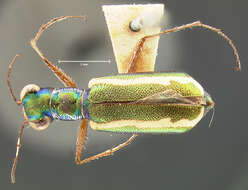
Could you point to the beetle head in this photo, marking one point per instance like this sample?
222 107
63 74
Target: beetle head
35 103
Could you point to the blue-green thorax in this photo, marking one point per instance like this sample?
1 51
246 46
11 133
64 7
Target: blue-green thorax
66 103
63 104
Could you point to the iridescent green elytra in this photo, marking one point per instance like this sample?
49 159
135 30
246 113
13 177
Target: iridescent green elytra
146 103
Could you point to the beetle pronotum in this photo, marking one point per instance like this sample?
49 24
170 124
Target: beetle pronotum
133 103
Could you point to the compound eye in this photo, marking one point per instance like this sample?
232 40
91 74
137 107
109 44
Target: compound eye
27 89
41 124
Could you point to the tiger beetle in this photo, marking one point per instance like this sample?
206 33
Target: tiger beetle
132 103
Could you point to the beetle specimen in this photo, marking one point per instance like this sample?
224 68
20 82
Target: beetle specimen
132 103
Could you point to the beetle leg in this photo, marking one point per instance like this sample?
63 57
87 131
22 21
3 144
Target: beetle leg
81 137
139 46
64 78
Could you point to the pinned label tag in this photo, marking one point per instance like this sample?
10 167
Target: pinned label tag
127 24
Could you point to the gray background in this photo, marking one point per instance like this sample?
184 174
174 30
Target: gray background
204 158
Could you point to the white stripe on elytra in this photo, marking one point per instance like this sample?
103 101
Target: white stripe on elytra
148 124
163 80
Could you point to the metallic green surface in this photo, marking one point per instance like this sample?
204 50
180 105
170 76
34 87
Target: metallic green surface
113 93
114 103
66 104
103 113
138 75
36 104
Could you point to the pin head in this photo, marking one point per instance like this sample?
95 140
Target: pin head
136 25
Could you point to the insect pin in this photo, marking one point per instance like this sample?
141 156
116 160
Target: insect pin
132 103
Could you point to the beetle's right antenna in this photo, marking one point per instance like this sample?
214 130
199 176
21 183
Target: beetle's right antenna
18 102
18 147
140 44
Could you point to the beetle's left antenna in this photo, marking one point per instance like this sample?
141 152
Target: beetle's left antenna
18 102
18 147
